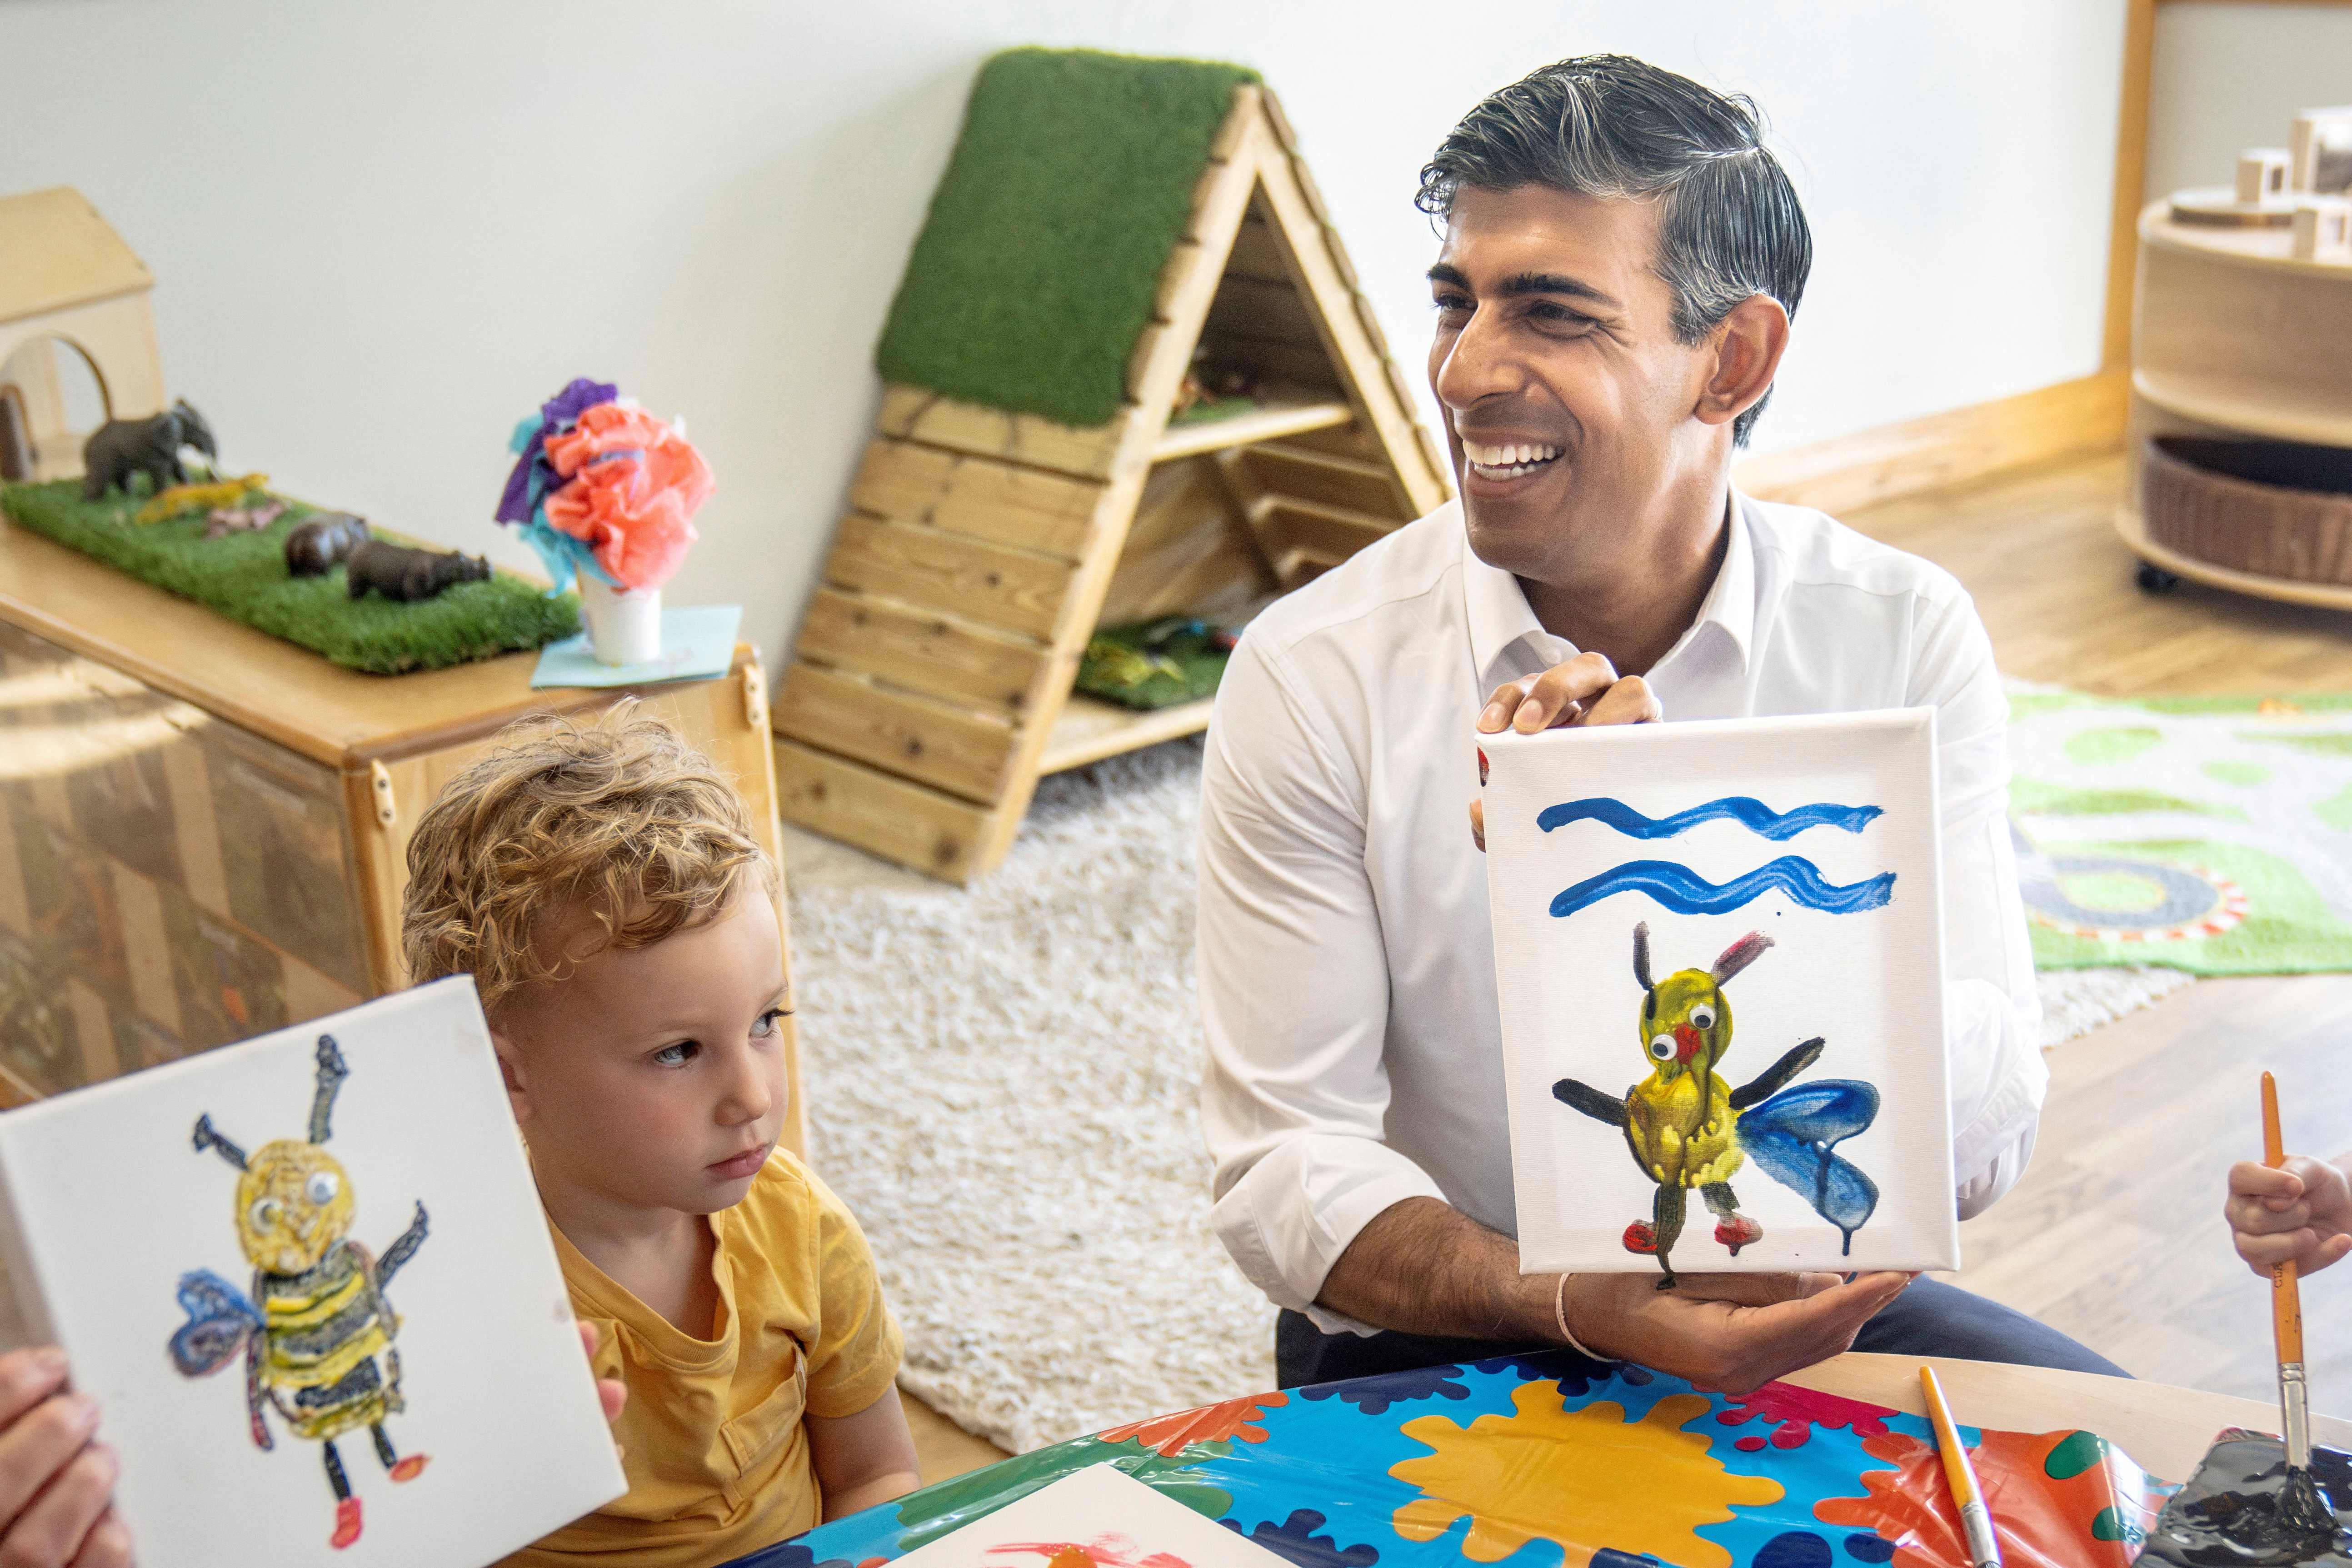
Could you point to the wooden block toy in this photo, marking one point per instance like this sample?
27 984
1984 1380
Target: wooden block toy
1252 432
70 284
2320 145
2323 229
2262 174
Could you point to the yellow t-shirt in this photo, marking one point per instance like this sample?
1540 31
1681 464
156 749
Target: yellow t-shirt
712 1437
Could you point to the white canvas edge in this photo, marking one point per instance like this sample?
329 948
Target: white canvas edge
1099 1499
1525 1118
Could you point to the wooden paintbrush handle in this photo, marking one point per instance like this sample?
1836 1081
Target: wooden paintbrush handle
2287 1306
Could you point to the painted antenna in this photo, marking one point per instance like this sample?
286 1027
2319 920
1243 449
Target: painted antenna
1641 955
208 1139
331 1073
1739 955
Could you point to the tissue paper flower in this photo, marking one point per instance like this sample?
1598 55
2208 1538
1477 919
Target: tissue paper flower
600 489
631 485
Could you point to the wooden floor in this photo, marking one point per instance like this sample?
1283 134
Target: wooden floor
2116 1234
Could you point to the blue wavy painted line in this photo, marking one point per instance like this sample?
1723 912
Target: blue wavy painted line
1745 809
1682 891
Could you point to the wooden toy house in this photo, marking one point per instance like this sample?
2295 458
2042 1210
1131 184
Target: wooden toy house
983 546
68 285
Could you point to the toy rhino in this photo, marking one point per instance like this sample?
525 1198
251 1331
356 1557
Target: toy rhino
315 544
399 572
122 447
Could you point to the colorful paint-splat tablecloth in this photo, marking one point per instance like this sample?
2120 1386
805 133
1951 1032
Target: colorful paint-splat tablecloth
1554 1460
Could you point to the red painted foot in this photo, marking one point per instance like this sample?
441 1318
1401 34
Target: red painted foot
1735 1231
409 1468
1640 1237
347 1523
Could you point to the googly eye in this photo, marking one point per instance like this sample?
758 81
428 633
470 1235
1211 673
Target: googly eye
265 1214
1701 1017
321 1188
1661 1048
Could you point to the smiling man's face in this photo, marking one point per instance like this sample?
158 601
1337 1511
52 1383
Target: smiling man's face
1569 402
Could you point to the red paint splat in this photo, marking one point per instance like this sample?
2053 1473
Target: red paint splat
2043 1523
1795 1411
1749 1445
1230 1419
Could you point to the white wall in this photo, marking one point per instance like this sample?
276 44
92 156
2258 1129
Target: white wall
382 232
2228 77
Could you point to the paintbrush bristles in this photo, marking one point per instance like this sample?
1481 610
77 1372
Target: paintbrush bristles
2287 1306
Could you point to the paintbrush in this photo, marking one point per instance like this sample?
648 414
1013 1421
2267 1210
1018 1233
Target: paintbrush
1976 1515
2300 1500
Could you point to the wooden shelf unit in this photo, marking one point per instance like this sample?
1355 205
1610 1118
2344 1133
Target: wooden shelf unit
2232 336
930 685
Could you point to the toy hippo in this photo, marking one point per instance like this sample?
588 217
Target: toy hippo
399 572
122 447
315 544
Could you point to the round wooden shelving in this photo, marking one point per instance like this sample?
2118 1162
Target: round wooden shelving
2234 336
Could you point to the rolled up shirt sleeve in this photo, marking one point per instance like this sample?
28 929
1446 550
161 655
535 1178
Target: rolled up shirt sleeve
1294 989
1993 1011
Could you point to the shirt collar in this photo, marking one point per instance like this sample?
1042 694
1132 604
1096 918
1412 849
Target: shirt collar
1501 621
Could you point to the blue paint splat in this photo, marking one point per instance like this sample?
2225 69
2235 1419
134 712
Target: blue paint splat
1794 1548
1870 1548
1295 1540
1685 891
1610 1557
792 1554
1374 1394
1744 809
1575 1375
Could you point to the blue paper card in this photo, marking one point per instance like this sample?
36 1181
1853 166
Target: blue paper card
697 644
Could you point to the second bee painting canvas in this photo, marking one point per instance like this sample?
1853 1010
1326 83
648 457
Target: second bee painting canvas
1718 954
326 1324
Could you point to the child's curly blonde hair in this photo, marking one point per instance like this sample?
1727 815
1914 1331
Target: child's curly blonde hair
617 817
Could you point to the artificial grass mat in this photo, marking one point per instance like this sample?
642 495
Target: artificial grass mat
1035 270
1155 665
243 575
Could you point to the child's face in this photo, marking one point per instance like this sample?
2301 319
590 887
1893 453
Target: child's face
654 1077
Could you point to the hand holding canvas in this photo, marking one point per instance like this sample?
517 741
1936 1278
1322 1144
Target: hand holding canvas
56 1483
1729 1333
1585 690
2300 1212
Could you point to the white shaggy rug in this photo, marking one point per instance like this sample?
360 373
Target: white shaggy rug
1000 1084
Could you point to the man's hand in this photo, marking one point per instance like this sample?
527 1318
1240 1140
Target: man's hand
2299 1214
1584 691
1729 1333
57 1485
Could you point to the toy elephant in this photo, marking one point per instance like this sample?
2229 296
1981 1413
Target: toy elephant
399 572
315 544
122 447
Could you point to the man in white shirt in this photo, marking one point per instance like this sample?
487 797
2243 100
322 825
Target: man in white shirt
1621 257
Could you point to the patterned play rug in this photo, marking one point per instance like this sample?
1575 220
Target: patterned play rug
2211 836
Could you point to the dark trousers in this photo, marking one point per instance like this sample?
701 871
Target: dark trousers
1927 1320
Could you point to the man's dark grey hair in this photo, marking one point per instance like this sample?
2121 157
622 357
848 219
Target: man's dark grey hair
1729 225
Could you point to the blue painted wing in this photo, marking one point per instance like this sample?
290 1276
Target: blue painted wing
220 1321
1792 1135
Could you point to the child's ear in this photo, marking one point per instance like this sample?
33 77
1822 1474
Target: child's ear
511 1069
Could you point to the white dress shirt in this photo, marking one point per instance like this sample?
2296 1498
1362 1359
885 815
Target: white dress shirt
1346 958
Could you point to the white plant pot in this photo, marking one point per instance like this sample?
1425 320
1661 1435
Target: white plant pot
623 624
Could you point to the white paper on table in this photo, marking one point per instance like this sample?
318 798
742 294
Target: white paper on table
1099 1517
1647 827
108 1206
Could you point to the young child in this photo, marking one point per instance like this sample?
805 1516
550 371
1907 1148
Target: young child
602 885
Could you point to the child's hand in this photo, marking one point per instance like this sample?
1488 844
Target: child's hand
2299 1214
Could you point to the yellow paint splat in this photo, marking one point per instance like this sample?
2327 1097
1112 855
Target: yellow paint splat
1585 1479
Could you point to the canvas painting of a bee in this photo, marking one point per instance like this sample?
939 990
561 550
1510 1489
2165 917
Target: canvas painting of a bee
1784 871
309 1281
316 1333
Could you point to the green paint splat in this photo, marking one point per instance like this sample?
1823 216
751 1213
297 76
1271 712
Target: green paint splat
2108 1526
2105 748
2077 1452
2324 744
934 1511
2035 797
2336 810
2236 772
